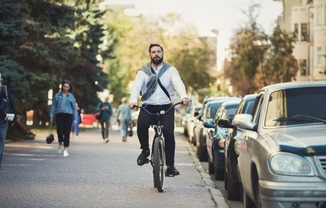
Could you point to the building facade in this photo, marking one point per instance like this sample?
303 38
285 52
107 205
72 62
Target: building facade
307 19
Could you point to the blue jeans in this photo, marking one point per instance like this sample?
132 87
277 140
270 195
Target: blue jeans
124 127
3 134
75 127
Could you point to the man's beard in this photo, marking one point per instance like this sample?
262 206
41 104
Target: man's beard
157 61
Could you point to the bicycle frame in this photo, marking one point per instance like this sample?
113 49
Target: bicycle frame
158 149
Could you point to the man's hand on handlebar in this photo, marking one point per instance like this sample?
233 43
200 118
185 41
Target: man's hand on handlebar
132 105
185 101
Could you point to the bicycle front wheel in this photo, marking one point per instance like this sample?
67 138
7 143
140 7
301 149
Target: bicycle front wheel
158 164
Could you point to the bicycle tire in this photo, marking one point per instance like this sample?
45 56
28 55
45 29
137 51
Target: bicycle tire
159 164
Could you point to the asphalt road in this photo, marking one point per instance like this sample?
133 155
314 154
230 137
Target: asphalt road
98 174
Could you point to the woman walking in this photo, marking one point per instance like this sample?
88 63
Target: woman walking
64 110
124 118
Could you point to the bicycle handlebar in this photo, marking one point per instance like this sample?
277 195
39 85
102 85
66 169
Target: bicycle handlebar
161 112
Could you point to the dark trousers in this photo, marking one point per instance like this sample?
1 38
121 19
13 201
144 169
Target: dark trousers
105 125
64 122
167 120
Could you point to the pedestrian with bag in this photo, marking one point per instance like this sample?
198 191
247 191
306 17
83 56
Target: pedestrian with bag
124 118
63 109
156 81
105 109
7 113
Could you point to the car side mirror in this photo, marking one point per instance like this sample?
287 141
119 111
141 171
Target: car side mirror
209 124
226 124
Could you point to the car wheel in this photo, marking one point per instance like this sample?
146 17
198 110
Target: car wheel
202 153
193 141
211 166
225 180
185 133
233 185
256 190
219 173
247 202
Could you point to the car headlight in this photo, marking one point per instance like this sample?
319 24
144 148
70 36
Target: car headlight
289 164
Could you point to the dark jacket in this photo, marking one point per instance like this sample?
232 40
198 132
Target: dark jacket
3 98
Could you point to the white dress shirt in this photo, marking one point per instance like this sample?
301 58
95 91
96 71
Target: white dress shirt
170 80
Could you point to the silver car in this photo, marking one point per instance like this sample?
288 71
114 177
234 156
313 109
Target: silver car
282 150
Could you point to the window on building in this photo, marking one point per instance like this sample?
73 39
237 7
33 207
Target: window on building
304 32
303 67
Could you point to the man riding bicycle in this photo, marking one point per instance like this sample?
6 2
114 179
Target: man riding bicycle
156 80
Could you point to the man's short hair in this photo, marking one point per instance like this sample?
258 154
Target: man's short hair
154 44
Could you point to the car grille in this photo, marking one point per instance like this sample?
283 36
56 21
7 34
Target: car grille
322 162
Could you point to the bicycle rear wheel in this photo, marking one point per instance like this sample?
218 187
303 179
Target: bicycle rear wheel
158 164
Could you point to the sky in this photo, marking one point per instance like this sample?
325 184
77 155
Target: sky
206 15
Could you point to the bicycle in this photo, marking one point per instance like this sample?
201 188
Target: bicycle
158 149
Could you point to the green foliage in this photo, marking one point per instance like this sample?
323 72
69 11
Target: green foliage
280 65
43 42
257 59
193 57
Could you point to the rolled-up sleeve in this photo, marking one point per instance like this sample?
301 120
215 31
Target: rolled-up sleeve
178 84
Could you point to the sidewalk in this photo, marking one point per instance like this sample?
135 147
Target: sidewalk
98 174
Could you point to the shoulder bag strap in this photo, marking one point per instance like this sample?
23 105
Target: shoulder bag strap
163 88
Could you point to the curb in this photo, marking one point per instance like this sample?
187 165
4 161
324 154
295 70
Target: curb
216 194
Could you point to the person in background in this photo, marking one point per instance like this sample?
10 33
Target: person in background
63 109
3 120
106 112
157 81
75 127
124 118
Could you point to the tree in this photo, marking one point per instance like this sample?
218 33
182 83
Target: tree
44 42
12 34
191 55
279 64
247 51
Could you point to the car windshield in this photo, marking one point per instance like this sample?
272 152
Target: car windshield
211 111
296 106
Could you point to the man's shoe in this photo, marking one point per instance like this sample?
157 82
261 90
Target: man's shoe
142 158
171 171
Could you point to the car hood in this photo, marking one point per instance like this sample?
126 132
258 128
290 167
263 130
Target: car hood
302 140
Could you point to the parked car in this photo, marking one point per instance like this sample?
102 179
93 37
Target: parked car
195 109
198 136
134 117
184 121
281 153
200 132
231 179
216 136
